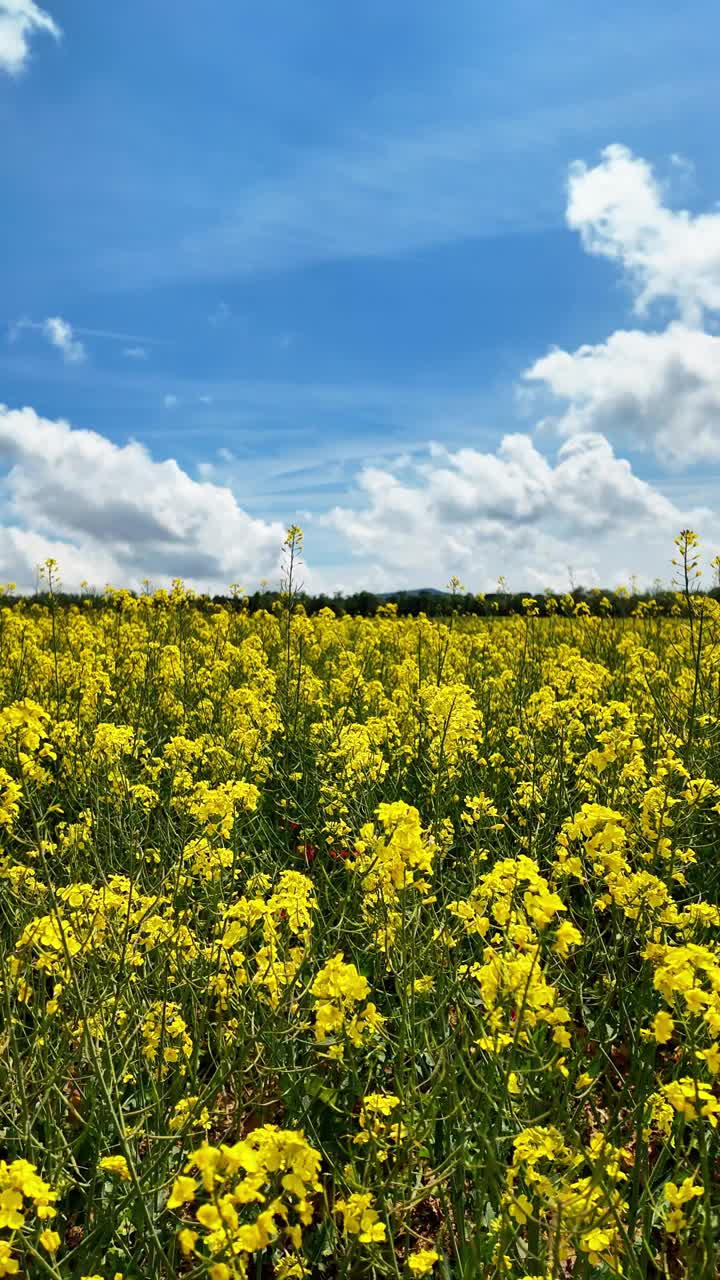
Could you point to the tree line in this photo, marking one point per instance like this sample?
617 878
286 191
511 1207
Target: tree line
405 604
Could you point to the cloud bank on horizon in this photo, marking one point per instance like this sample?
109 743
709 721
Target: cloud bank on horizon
563 492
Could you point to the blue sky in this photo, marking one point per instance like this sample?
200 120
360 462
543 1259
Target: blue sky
296 246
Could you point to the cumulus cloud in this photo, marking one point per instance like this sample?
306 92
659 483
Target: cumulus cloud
110 513
19 21
113 513
658 390
617 207
512 512
60 334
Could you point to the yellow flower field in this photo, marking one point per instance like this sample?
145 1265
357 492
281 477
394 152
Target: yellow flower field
354 948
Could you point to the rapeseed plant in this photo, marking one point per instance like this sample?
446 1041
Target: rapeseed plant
359 948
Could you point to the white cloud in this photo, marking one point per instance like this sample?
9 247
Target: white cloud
60 334
512 512
112 513
617 207
67 337
19 20
170 401
660 390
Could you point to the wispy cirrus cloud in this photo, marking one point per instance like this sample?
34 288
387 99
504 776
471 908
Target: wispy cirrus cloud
392 192
59 333
68 338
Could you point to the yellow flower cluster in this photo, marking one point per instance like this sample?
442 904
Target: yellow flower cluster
378 1126
339 991
23 1195
270 929
360 1217
247 1196
588 1208
165 1039
394 856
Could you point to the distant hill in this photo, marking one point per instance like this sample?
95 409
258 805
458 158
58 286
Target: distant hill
410 591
